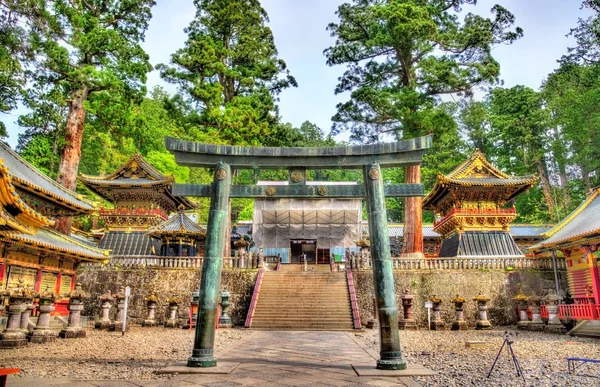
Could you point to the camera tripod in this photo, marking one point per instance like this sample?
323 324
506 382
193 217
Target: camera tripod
511 355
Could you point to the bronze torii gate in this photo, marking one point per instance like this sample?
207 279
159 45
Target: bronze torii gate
368 157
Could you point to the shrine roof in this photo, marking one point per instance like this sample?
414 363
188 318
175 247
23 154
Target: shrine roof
580 226
516 230
128 243
135 173
47 239
477 171
178 224
28 178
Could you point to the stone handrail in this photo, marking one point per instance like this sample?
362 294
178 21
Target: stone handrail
353 301
254 300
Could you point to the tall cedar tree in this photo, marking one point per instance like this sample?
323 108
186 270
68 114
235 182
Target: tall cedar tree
230 69
88 47
401 55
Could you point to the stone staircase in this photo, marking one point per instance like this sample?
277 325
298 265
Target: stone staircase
586 328
303 301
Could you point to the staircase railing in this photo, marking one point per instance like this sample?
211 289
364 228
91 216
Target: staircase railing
353 302
254 300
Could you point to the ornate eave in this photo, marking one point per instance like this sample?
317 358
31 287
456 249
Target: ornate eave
178 225
43 193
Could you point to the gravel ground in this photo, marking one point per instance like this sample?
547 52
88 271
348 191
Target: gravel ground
108 355
542 357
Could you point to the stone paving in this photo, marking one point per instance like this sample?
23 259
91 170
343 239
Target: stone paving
269 358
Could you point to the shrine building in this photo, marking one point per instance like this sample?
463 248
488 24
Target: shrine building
142 200
471 209
31 250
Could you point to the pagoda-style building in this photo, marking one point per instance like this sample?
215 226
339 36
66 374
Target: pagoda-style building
470 205
142 200
30 249
179 236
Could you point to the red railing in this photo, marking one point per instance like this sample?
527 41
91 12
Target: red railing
544 312
578 312
474 211
254 300
353 302
135 211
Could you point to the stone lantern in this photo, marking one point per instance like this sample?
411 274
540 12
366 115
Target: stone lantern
28 309
460 324
225 320
521 300
118 323
407 322
261 258
74 329
536 323
364 261
106 301
173 302
13 336
241 245
437 324
482 320
554 324
151 302
372 322
42 332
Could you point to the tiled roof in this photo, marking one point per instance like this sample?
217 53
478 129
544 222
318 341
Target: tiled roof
122 181
480 244
178 224
49 240
136 166
516 230
582 223
397 230
128 243
29 178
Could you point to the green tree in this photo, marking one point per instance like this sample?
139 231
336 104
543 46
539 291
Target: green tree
229 68
89 48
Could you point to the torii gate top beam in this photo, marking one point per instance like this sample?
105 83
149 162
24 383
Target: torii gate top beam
393 154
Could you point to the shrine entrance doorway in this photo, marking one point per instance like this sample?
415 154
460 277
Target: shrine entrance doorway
323 256
298 247
369 158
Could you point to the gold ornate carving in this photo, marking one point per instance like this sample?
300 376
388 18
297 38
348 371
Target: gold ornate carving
297 176
373 174
322 190
270 191
221 174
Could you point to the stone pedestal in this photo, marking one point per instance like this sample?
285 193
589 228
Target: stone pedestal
554 323
117 325
74 329
437 324
172 321
407 322
26 314
42 332
482 319
261 258
104 321
253 260
521 300
372 322
536 323
224 319
13 336
459 324
150 321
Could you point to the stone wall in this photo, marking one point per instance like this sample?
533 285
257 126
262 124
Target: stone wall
500 286
163 282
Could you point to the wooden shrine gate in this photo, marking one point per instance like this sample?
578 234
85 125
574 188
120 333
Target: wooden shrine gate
369 158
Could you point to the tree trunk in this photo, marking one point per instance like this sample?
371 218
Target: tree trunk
413 215
71 151
545 182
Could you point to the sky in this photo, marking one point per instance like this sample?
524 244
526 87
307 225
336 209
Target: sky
299 28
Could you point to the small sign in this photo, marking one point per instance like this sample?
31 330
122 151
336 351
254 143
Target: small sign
428 304
127 291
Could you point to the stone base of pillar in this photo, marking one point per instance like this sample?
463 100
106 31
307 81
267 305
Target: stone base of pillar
391 364
408 325
483 325
372 324
172 324
150 323
13 338
72 333
103 324
412 255
555 328
42 336
523 325
459 326
437 326
536 326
